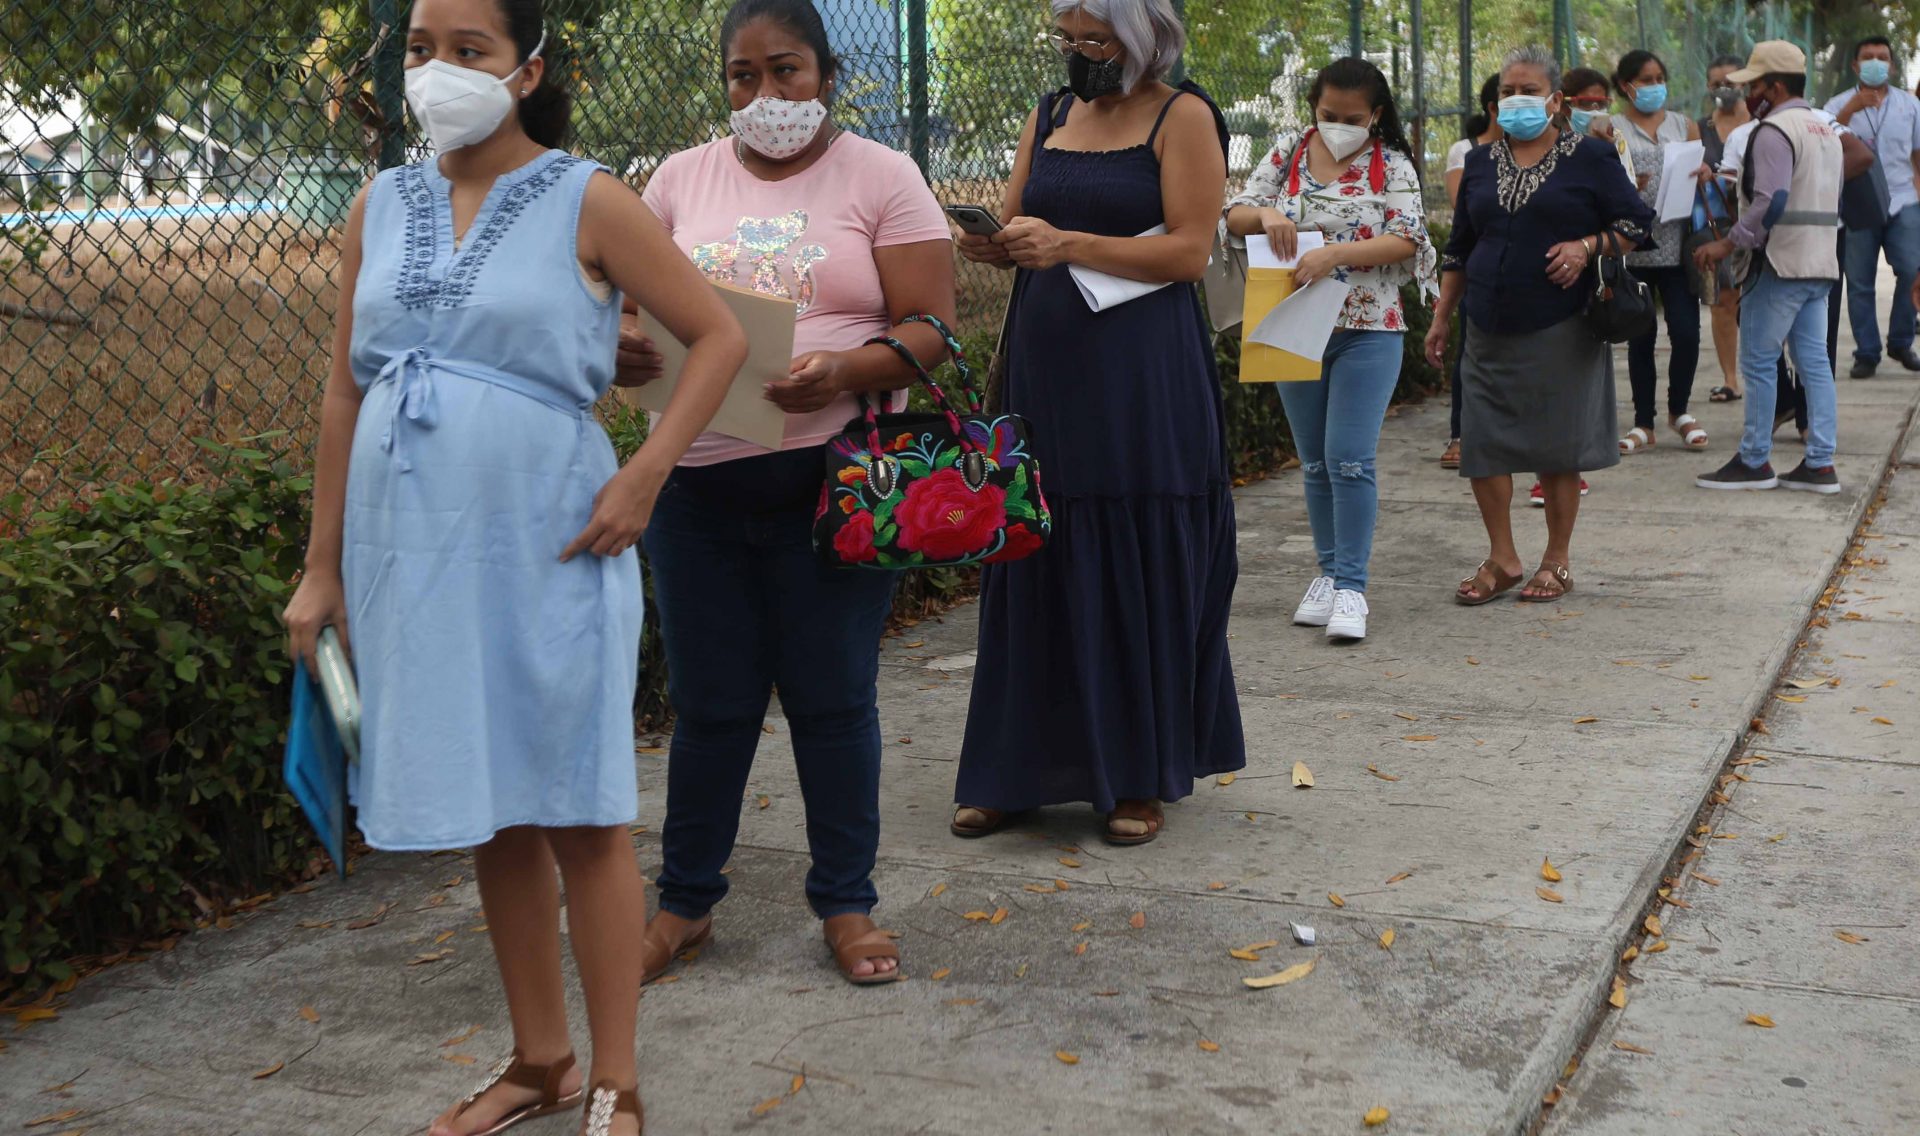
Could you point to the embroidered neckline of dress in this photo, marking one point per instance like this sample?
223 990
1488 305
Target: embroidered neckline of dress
1517 184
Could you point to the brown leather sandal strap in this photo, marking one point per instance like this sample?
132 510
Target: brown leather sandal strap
523 1074
1147 812
851 946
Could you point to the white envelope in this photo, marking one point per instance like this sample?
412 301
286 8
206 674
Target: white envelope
1260 252
1103 290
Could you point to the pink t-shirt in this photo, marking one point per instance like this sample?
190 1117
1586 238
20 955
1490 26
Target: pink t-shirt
810 237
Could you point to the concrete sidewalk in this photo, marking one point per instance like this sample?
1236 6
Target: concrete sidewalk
1452 752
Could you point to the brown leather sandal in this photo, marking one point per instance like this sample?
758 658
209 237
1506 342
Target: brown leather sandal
514 1070
1147 812
604 1102
1502 584
1559 581
657 951
994 818
852 938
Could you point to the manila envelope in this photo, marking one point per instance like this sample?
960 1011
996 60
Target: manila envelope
1266 287
746 414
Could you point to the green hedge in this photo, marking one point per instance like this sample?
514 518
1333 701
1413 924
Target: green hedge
143 688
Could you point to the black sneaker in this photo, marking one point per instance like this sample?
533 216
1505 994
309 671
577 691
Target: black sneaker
1910 359
1863 368
1737 474
1822 480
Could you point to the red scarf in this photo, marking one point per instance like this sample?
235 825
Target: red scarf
1376 166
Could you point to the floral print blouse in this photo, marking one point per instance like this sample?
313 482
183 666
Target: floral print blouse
1352 209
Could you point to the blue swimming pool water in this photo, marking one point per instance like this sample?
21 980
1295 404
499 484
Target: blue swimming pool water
142 213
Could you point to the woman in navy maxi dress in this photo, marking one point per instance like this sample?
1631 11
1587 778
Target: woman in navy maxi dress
1102 672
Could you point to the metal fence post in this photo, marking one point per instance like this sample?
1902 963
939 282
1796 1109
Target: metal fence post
1179 74
388 82
1356 41
917 141
1469 90
1417 17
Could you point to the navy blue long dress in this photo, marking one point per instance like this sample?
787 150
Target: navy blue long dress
1102 671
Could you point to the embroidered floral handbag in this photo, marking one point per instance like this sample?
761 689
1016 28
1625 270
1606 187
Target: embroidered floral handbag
929 490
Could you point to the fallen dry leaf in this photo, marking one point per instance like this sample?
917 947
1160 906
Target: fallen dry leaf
1584 719
1630 954
1761 1020
308 1013
1618 999
961 1002
54 1117
1421 738
764 802
1550 895
1139 921
1552 1096
1080 948
442 937
1708 880
1208 1046
1407 716
460 1058
1726 836
1244 955
35 1014
1065 1058
1083 925
1375 770
1653 926
1375 1117
1293 973
270 1070
1791 697
428 957
799 1082
1882 721
941 973
1069 862
372 920
999 916
1849 937
1398 876
938 891
1629 1047
1216 886
1386 939
314 924
1061 885
1548 872
1334 898
766 1106
460 1039
1776 838
1808 683
1302 776
1472 662
1656 947
1043 889
1265 945
977 916
1225 779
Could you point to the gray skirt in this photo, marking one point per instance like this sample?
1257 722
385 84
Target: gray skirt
1537 401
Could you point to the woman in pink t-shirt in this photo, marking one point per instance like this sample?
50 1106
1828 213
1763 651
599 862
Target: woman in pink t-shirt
792 206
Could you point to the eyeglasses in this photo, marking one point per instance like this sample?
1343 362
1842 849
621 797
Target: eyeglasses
1588 104
1087 47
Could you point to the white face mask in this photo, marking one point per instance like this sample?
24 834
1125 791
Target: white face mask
1342 140
779 128
459 106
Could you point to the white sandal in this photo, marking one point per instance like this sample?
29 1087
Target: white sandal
1691 432
1637 439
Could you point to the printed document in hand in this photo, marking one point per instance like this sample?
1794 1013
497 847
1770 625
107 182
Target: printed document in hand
1677 170
1260 252
1102 290
1302 323
746 414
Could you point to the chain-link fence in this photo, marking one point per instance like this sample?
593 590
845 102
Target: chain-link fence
173 175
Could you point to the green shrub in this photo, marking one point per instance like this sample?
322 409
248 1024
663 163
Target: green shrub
143 702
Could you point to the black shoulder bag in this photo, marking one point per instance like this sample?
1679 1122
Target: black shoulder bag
1621 306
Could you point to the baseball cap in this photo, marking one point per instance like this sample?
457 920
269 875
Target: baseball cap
1772 57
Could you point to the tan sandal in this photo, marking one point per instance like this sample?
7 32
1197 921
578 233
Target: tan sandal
514 1070
1146 812
853 938
657 951
1450 457
1559 583
604 1103
1500 583
990 822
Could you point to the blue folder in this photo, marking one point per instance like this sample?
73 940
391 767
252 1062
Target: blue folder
316 766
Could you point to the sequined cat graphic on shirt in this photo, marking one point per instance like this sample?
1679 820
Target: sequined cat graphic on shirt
768 251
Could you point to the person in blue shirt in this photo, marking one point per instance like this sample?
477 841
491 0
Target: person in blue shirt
1887 119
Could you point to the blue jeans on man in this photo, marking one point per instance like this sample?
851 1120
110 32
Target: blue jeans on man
1900 238
1777 314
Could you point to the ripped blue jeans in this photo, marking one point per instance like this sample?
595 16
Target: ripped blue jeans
1336 430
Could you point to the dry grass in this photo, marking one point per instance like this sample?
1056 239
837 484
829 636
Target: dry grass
207 328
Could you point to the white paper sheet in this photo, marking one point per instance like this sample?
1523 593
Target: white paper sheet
1102 290
1260 252
1677 170
1302 323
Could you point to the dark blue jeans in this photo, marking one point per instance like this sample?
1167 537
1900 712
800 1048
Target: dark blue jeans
1682 313
746 606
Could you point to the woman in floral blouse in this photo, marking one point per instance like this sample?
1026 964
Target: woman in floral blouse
1350 176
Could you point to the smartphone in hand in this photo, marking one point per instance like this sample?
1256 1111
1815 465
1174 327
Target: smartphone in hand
974 219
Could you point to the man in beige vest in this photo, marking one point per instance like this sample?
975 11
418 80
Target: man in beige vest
1789 212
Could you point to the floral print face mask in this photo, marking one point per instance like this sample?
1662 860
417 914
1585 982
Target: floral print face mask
779 128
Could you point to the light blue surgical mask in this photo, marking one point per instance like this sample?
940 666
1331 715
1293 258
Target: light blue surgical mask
1875 73
1650 97
1581 119
1523 116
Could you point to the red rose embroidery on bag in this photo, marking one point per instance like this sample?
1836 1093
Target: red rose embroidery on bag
854 541
944 520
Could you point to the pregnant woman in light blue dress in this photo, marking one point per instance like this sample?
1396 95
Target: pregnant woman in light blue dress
473 532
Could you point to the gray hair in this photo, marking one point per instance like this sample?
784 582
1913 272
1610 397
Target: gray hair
1533 55
1148 30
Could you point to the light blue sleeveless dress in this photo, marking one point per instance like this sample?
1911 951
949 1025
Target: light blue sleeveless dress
496 682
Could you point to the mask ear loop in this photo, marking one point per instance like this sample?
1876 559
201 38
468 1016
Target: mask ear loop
538 47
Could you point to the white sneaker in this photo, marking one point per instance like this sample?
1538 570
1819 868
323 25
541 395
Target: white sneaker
1316 607
1349 619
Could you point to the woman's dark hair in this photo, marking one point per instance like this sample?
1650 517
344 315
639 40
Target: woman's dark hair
1581 79
1352 74
798 16
1481 120
546 114
1631 64
1720 61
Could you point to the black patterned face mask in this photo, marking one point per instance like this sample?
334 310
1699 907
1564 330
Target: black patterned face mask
1089 80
